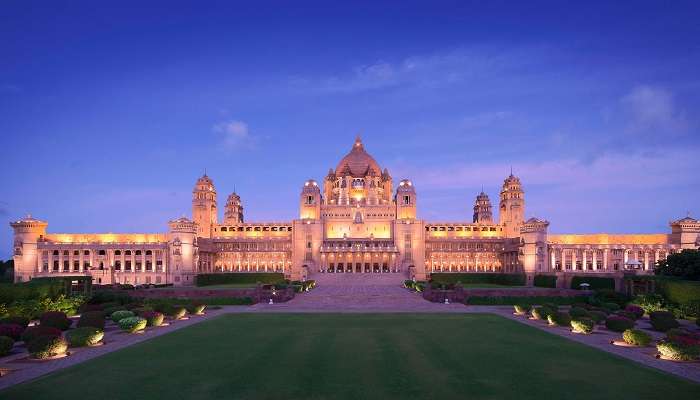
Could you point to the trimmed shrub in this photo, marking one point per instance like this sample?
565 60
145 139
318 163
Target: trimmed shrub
559 319
47 346
677 351
13 331
119 315
551 306
541 313
34 332
617 323
17 320
91 307
697 320
608 296
153 318
679 291
6 344
635 309
133 324
595 282
95 319
598 316
662 321
611 307
409 284
512 300
196 309
85 336
636 337
627 314
548 281
55 319
522 309
111 310
177 312
582 325
578 312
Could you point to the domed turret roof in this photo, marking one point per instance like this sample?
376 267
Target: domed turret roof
204 183
358 162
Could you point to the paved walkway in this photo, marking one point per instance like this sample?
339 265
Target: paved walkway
348 293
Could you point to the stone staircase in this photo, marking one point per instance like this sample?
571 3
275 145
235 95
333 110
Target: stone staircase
358 293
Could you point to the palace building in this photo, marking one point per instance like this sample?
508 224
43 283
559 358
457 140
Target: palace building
356 221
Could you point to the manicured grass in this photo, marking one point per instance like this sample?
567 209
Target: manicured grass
487 285
351 356
230 286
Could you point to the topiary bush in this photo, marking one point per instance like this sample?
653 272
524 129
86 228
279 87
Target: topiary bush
95 319
636 337
650 302
522 309
678 351
582 325
132 324
153 318
579 312
85 336
34 332
177 312
17 320
617 323
13 331
120 315
196 309
598 316
627 314
662 321
611 307
541 313
635 309
47 346
559 319
6 344
108 311
55 319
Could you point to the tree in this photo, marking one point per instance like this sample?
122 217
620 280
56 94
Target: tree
685 265
7 269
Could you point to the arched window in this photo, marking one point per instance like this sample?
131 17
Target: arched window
127 253
149 252
117 252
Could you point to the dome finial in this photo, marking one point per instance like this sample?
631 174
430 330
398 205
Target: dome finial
358 142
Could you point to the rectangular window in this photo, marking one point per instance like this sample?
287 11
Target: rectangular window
127 265
66 265
406 200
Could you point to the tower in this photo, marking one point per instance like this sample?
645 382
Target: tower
310 201
184 252
533 247
233 211
686 232
482 209
512 206
405 200
204 206
28 232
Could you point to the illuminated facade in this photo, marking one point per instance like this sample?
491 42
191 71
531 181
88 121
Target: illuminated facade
354 222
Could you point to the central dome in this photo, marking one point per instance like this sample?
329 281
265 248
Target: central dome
358 162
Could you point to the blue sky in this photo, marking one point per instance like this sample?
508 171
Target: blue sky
108 115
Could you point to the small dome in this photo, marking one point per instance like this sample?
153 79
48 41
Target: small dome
204 183
358 162
406 186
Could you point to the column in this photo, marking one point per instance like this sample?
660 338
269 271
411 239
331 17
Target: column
553 259
646 260
605 259
656 256
626 258
595 259
80 260
51 260
573 258
584 263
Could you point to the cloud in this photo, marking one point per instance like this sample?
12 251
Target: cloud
652 110
234 134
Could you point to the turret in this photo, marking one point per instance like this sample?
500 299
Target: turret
233 211
310 201
405 200
204 212
512 206
482 209
28 232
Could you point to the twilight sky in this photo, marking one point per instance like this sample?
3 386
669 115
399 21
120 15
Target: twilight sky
108 115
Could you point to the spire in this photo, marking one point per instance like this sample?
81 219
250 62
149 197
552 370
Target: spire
511 170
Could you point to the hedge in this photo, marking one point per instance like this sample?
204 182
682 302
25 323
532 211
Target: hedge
85 336
209 301
6 344
47 346
548 281
595 282
32 290
239 278
678 291
512 300
55 319
491 278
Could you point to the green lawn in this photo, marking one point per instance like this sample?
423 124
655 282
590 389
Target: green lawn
487 285
370 356
229 286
